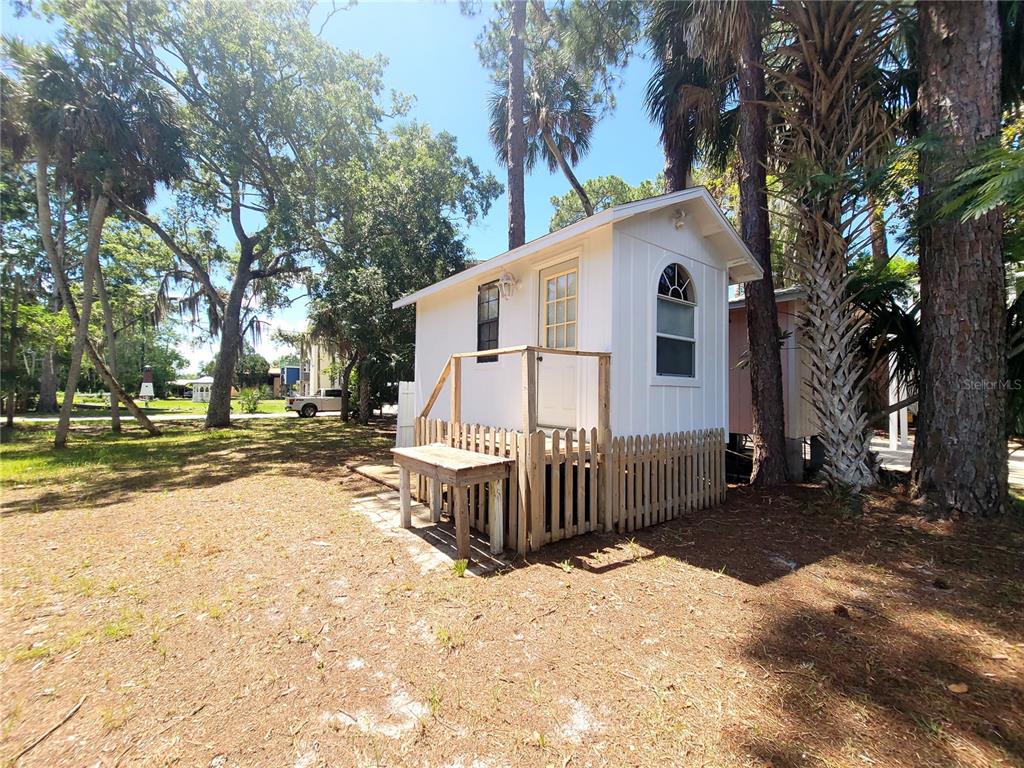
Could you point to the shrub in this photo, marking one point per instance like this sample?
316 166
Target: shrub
249 399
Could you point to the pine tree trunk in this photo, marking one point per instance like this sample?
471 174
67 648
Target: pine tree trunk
769 437
516 128
97 215
108 332
960 453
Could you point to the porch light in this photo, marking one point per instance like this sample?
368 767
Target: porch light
507 285
679 218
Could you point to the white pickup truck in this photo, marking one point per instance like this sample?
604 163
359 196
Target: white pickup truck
323 400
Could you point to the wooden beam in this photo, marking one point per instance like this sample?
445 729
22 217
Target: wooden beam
523 347
437 389
456 410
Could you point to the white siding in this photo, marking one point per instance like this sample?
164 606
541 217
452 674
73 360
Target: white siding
492 392
643 403
619 266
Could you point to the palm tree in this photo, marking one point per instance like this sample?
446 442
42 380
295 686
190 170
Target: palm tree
106 132
711 58
691 104
960 451
830 103
560 118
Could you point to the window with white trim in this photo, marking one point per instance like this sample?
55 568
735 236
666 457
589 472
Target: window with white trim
487 297
560 310
676 342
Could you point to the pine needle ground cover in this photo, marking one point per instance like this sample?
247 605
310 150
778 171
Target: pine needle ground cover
216 600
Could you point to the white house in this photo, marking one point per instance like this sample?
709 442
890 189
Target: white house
645 281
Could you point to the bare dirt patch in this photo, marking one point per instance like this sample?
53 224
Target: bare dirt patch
234 610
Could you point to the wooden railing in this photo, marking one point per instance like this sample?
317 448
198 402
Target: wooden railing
563 485
453 369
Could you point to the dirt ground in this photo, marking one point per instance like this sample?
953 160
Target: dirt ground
234 610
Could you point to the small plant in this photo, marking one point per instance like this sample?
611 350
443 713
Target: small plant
459 568
435 702
122 628
114 718
249 398
449 640
29 654
566 566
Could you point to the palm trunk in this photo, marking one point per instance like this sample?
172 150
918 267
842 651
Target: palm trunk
960 453
108 332
47 402
57 267
345 395
516 138
831 328
97 215
12 352
549 142
678 155
767 415
879 243
676 141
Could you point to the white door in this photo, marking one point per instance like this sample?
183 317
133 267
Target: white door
557 374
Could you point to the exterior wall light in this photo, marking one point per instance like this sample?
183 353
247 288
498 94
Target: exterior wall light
507 285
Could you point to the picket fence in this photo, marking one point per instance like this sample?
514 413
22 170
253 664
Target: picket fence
564 485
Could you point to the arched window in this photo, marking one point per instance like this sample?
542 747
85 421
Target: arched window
676 341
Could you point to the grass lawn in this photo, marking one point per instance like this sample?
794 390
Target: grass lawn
217 598
97 407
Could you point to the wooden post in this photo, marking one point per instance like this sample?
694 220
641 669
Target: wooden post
601 450
497 521
456 408
461 524
523 487
604 400
529 391
435 501
403 493
527 460
538 464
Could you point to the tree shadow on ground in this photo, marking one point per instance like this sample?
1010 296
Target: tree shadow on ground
857 657
104 469
756 537
888 684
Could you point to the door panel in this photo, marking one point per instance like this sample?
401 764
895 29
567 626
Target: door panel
557 374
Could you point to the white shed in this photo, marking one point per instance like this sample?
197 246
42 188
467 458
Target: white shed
646 281
201 389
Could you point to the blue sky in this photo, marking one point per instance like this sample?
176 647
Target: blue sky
431 57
